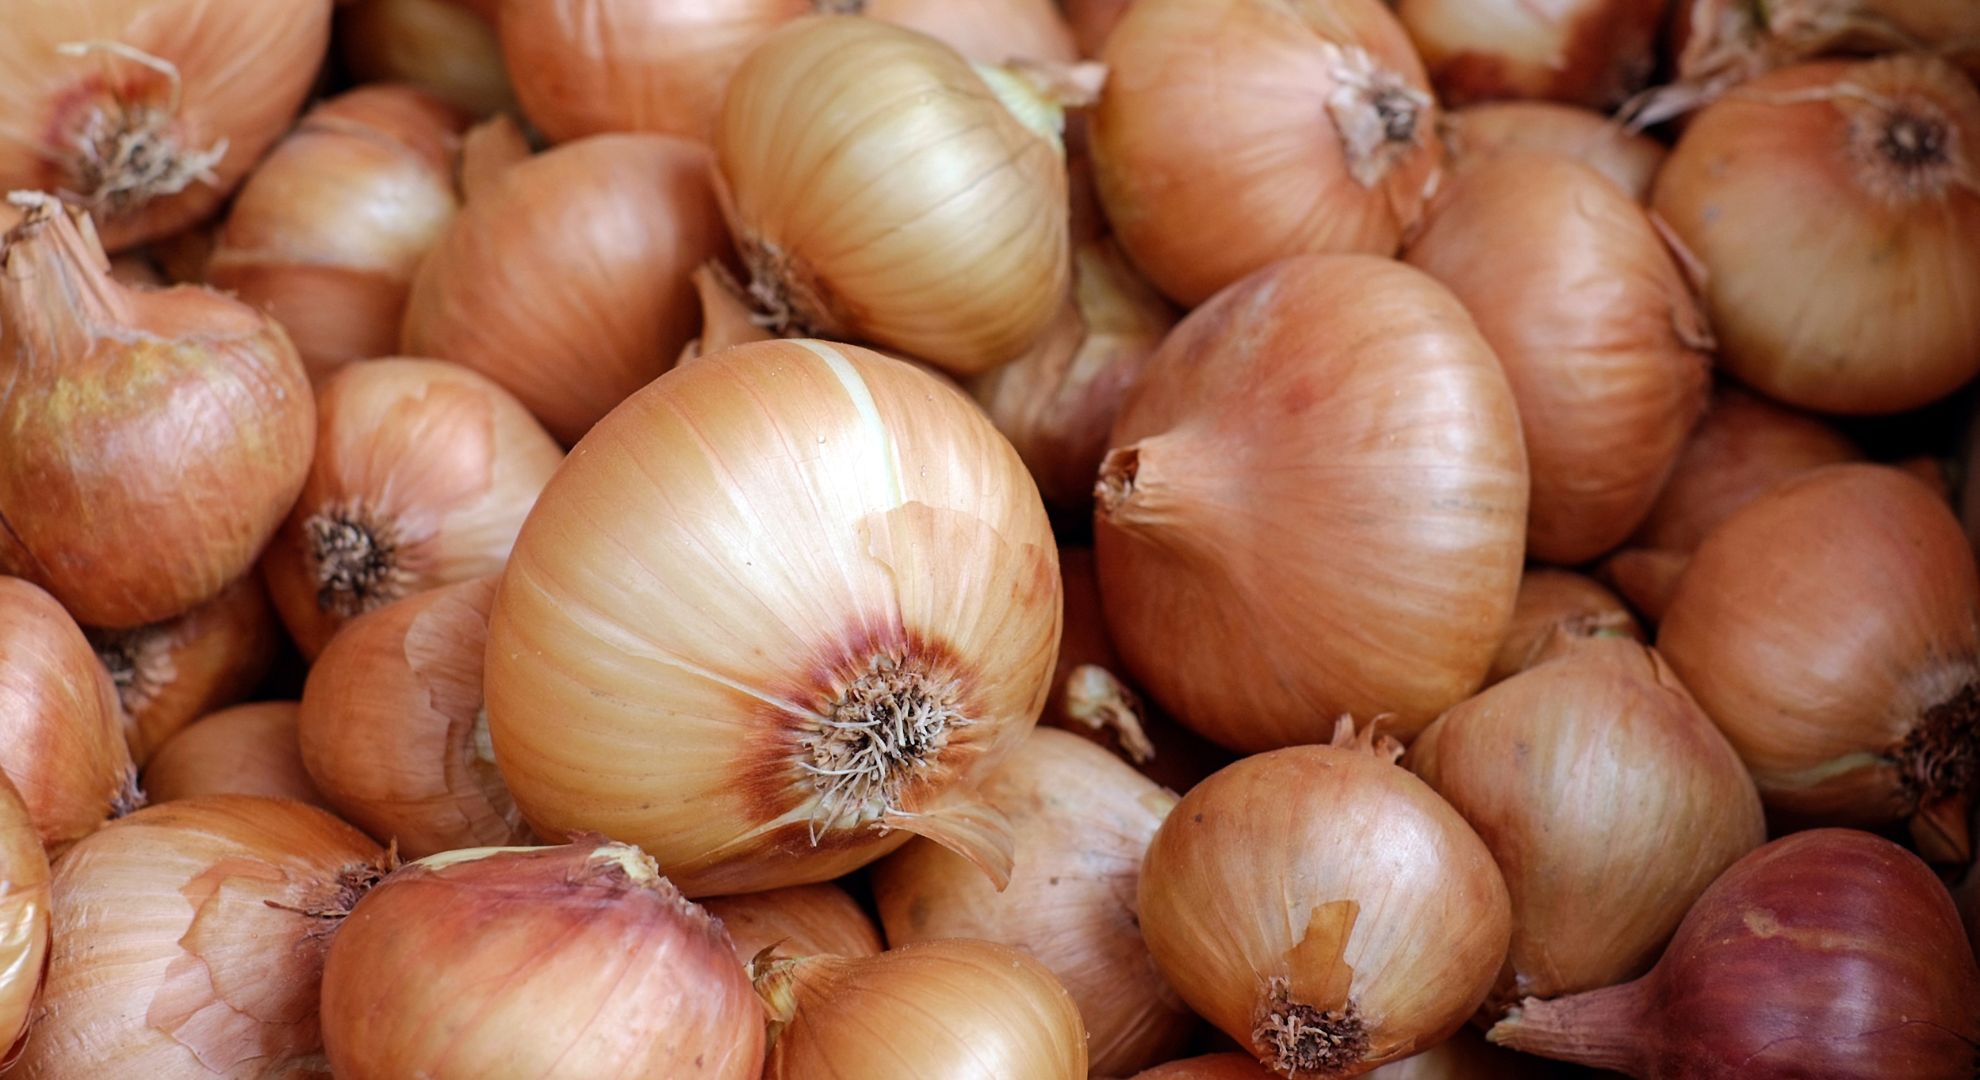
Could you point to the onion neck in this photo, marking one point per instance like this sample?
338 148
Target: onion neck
55 284
128 152
1600 1029
139 662
1382 119
1097 700
1937 763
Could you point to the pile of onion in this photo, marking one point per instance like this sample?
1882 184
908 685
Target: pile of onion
24 918
1585 52
245 750
801 920
853 624
1492 130
446 47
1555 609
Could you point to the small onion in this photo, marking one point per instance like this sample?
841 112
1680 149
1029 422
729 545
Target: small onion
566 962
24 895
1479 133
1324 908
245 750
1555 604
1081 820
1585 52
1235 132
848 545
957 1009
442 46
802 920
393 730
1835 207
1831 954
1315 504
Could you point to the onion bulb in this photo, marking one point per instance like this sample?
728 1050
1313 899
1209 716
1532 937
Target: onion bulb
986 31
1236 132
147 113
1598 331
189 941
565 278
1484 132
881 188
245 750
150 442
61 734
1467 1056
1835 206
1830 953
1324 908
24 893
1209 1067
1585 52
1262 562
441 46
578 961
1082 820
393 731
802 920
958 1009
853 624
327 232
1832 630
1553 605
1592 769
423 473
1093 22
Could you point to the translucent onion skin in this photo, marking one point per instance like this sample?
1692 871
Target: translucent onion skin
393 731
441 46
246 750
1591 769
166 105
326 233
1082 820
151 441
189 941
1324 908
802 920
846 535
1554 605
1830 953
24 919
566 276
1252 498
1584 52
1232 133
1834 211
424 472
957 1009
442 972
1830 629
1483 132
1597 329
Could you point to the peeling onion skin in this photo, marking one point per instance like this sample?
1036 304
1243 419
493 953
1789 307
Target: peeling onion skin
802 920
844 534
1483 132
442 972
1557 607
1830 953
24 920
1582 52
1251 500
246 750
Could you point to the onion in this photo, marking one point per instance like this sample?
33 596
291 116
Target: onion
1485 132
565 277
959 1009
1081 820
1236 132
803 920
1830 953
1647 577
1555 605
1585 52
1320 476
423 473
1093 22
327 232
171 673
987 31
393 730
245 750
24 894
576 961
1834 206
1324 908
150 442
189 941
1609 802
61 734
1830 629
148 113
438 45
1467 1056
881 188
1599 333
1209 1067
848 540
1057 402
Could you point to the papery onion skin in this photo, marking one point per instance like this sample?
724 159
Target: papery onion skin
802 920
846 534
1242 159
442 972
1717 44
1324 908
1553 603
246 750
189 940
1598 331
1252 497
152 440
1593 768
1082 820
24 919
326 233
1489 130
1584 52
1830 953
1829 628
439 45
1835 206
958 1009
565 278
